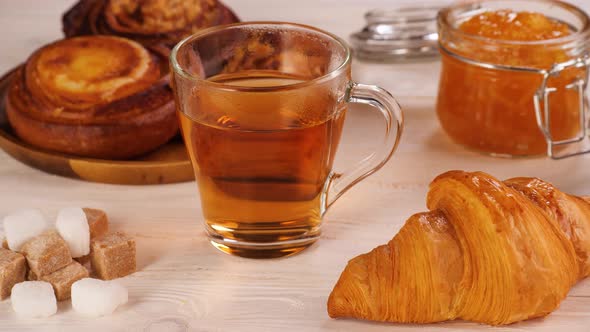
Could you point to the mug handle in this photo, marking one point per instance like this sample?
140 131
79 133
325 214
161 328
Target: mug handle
382 101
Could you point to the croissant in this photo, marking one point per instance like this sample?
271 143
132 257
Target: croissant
488 251
150 22
93 96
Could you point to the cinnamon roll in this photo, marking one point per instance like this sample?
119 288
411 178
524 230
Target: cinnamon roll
93 96
150 22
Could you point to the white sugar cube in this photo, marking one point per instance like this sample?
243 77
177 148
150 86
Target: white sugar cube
94 297
21 226
73 227
121 292
33 299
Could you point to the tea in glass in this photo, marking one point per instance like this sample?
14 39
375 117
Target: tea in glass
262 107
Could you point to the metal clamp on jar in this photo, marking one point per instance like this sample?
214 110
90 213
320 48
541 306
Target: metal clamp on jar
543 109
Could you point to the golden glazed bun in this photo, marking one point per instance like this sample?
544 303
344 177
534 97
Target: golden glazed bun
94 96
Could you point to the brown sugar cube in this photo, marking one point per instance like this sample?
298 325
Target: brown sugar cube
113 256
46 253
97 222
12 271
5 244
62 279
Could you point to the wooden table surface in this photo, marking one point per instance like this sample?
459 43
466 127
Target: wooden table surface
183 283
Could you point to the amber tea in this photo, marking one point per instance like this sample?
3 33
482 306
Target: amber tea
262 161
261 108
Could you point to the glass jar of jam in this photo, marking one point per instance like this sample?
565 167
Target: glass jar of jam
513 81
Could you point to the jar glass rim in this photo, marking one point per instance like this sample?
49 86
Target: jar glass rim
337 71
444 21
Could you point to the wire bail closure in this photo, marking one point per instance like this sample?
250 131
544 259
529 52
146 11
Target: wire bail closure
543 110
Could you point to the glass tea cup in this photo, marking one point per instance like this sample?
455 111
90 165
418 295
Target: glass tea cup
261 108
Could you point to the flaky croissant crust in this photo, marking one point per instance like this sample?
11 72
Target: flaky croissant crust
488 251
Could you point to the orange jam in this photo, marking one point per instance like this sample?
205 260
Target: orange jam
492 110
518 26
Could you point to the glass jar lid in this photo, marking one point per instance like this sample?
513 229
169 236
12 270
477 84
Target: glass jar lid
398 34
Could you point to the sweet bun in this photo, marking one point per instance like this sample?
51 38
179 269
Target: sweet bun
93 96
150 22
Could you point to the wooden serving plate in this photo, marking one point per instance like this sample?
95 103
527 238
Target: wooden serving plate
168 164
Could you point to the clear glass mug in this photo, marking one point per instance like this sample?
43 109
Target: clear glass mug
261 108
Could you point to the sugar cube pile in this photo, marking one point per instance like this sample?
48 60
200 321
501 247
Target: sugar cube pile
22 226
94 297
33 299
51 260
72 225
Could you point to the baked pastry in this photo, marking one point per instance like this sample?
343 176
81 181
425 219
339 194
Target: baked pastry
93 96
150 22
300 56
488 251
